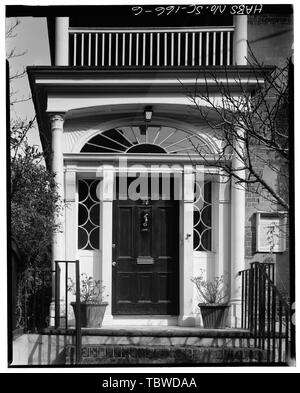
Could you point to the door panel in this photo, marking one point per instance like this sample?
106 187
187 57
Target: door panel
145 275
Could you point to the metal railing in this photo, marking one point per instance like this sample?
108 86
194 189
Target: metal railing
62 317
265 312
33 299
209 46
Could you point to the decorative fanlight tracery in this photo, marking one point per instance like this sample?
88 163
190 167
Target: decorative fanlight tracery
146 139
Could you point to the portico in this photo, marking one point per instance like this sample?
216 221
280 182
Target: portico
96 121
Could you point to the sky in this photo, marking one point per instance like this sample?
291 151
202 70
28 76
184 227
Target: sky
31 37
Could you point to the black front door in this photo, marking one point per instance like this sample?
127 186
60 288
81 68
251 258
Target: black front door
145 257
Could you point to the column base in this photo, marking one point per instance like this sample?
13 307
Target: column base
235 314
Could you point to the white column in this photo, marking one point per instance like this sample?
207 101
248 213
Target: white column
237 234
240 48
106 228
61 41
186 290
58 239
70 214
222 227
57 121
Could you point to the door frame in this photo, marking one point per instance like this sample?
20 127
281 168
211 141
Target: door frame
188 316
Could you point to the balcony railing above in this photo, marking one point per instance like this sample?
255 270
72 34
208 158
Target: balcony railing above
167 47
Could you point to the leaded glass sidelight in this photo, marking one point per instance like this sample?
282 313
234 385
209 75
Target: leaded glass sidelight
88 215
203 216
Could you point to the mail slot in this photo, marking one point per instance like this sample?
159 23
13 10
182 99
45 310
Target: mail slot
145 261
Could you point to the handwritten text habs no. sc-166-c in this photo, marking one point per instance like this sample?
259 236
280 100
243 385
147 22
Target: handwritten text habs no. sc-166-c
194 9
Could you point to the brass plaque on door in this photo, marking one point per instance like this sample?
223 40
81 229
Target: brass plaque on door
145 260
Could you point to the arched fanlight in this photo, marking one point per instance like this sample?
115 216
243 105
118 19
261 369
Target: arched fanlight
146 139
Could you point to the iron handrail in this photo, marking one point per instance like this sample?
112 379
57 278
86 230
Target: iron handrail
260 266
265 313
78 333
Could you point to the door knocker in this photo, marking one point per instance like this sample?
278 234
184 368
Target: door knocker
145 224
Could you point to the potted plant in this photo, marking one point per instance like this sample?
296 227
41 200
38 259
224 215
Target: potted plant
213 309
92 306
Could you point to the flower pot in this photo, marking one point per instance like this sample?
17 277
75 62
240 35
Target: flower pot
214 316
91 314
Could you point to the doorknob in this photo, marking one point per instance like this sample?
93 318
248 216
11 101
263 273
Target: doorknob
114 263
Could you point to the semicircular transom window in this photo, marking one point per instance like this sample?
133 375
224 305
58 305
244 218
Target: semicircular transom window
146 139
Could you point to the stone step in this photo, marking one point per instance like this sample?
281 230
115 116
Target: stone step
178 341
137 354
164 336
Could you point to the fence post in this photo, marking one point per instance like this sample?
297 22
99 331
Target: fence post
78 316
57 295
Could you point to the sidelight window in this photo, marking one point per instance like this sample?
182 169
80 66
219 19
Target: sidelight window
203 216
88 215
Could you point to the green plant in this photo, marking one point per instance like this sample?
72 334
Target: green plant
210 292
91 291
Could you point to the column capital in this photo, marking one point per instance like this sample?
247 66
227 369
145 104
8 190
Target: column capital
56 120
56 116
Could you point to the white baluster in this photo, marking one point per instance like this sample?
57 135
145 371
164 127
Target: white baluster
82 48
151 48
109 49
130 48
214 48
123 50
166 50
221 48
89 50
137 50
179 48
96 49
193 49
172 49
228 47
200 48
207 49
186 49
103 47
157 41
144 48
117 49
75 49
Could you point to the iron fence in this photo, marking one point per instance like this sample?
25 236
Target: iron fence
265 312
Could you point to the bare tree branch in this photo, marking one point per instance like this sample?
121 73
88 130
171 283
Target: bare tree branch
259 114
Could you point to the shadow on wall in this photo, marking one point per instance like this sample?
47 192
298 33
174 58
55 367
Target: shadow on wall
40 349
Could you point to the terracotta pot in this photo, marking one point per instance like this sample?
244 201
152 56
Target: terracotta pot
214 316
91 314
